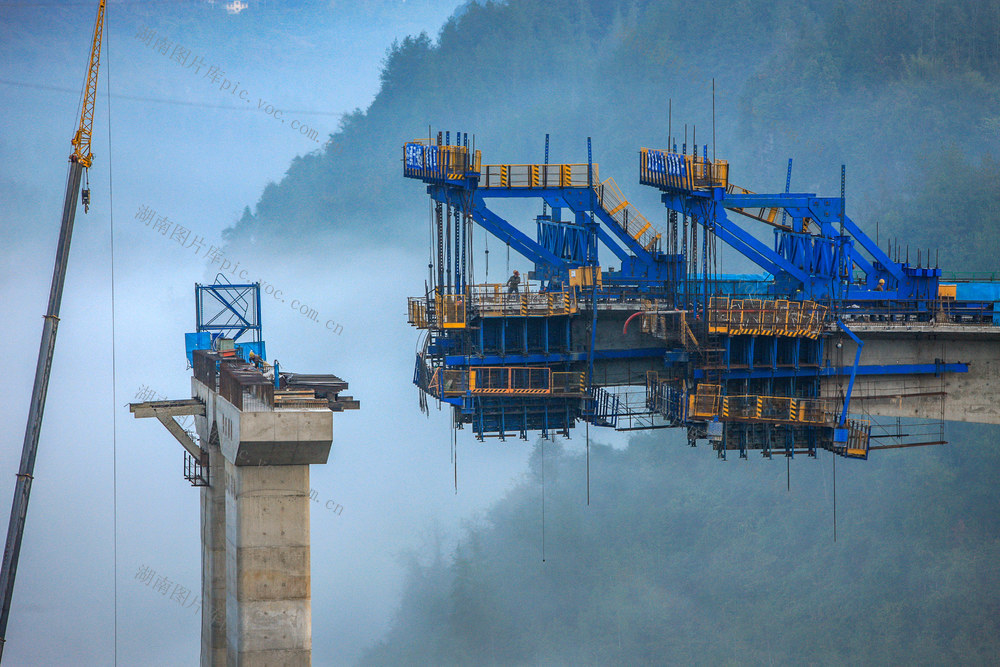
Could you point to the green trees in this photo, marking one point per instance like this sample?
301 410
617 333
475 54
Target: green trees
682 559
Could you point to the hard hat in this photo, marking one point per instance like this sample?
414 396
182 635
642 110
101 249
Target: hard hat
516 273
881 281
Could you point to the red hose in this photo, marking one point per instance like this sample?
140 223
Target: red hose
630 318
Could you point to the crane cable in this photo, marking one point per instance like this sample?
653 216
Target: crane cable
114 365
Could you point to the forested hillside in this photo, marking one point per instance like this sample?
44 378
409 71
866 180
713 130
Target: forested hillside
905 94
683 559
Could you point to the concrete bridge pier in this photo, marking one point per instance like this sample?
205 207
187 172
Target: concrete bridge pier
256 593
256 444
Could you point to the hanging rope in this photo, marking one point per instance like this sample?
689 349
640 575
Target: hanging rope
543 500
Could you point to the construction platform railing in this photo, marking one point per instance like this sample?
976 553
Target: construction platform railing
675 171
537 176
765 317
506 381
708 403
452 311
626 216
492 300
439 162
858 438
764 214
416 312
609 195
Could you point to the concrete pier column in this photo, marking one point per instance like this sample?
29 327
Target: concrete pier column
256 442
268 601
213 557
256 597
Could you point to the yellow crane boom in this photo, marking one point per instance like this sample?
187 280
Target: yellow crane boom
81 140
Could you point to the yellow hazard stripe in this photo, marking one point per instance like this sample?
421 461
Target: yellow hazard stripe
642 231
618 208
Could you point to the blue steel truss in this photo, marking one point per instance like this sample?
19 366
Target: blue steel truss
818 256
228 310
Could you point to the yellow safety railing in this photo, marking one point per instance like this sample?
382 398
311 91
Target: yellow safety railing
569 383
536 176
452 311
493 300
507 381
449 382
706 403
416 312
510 380
814 411
742 407
626 216
764 214
668 169
765 317
858 438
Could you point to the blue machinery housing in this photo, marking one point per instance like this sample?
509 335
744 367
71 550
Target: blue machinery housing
736 359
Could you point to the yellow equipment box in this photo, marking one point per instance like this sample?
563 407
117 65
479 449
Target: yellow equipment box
583 277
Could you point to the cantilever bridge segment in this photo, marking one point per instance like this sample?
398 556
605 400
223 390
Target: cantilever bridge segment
833 334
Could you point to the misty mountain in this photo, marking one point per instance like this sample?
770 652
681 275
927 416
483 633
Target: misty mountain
891 91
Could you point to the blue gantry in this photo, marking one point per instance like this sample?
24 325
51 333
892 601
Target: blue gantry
739 360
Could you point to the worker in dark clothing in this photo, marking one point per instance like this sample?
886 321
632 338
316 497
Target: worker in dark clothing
513 283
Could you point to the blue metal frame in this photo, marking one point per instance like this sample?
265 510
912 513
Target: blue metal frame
806 265
242 316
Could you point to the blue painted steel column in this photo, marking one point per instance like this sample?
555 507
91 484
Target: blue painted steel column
593 264
854 370
704 248
788 185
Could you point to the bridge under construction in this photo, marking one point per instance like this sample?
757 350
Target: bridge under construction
833 334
